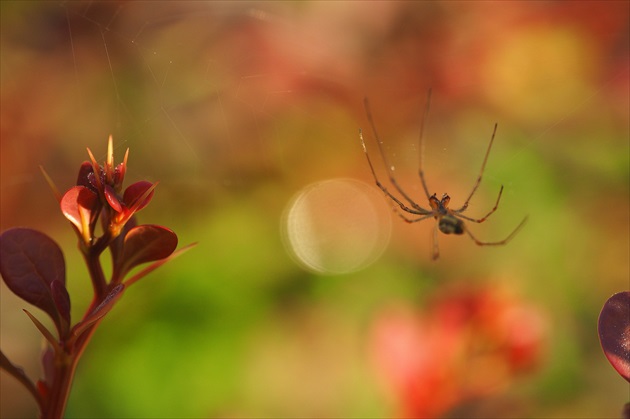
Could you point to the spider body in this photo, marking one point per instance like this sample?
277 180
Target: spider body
448 221
449 224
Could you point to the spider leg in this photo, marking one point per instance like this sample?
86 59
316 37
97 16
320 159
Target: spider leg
388 166
498 243
458 213
416 208
435 253
421 146
483 166
412 220
434 237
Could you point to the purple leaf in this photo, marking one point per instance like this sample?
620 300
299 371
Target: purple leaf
614 332
29 263
146 243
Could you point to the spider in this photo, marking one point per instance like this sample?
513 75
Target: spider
449 221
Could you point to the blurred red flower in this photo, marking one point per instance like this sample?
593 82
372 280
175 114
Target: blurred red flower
467 344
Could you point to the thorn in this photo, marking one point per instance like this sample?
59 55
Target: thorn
96 169
110 151
52 185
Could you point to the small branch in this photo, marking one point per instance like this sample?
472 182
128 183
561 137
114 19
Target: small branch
19 375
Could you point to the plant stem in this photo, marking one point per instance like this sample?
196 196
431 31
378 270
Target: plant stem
96 274
66 365
68 356
60 390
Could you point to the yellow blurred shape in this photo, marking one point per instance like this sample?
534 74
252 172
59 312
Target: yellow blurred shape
540 73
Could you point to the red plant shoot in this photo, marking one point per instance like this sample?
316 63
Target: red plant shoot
33 267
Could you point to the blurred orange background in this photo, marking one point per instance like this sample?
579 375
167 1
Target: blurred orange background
236 107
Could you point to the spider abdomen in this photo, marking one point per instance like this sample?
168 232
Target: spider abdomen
450 224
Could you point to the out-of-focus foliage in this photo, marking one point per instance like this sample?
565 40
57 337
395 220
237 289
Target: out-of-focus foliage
234 107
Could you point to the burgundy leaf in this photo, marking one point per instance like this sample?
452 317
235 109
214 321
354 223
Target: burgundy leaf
112 199
85 174
145 271
135 192
146 243
77 205
101 310
29 263
614 332
116 246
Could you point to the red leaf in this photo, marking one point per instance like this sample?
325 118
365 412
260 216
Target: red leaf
146 243
112 199
77 205
135 192
29 263
614 332
116 246
145 271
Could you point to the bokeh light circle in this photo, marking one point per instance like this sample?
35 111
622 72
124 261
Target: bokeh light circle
336 226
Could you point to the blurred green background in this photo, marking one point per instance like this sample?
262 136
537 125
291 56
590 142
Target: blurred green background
237 106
